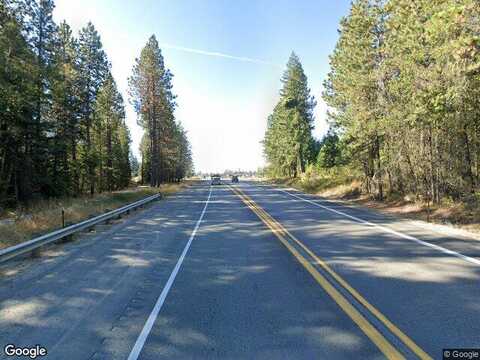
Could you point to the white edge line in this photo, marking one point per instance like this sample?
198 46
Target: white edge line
387 229
137 348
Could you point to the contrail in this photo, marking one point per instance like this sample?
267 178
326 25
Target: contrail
218 54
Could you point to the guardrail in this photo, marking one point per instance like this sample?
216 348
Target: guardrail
34 244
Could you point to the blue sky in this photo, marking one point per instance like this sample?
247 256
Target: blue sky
223 101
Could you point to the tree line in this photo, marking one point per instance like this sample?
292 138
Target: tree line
62 124
403 93
62 117
404 85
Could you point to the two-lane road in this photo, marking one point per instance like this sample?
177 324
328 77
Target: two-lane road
429 294
205 274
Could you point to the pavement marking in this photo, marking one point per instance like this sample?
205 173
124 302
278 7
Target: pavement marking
137 348
377 338
387 229
374 311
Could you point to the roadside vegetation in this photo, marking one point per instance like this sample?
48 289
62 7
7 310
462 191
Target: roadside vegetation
64 142
403 93
44 216
62 118
342 184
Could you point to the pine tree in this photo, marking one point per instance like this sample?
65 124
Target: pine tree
354 87
41 33
122 160
182 164
17 96
288 140
145 165
93 67
151 95
111 138
134 164
330 153
65 114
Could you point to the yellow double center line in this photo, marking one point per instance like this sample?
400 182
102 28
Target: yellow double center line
377 338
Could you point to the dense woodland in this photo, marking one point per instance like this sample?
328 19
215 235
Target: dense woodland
404 94
62 118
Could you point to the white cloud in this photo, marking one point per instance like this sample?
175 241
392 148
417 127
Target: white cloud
218 54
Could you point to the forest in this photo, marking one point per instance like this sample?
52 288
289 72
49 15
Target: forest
403 94
62 117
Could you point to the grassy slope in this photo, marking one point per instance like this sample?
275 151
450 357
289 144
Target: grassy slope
344 185
45 216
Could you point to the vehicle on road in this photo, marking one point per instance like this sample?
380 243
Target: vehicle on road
234 179
216 180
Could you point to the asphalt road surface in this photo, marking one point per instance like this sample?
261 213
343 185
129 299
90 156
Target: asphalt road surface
248 271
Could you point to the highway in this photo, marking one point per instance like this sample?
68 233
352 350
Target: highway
247 271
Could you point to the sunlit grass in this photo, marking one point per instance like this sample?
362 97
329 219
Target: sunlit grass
46 215
346 183
338 181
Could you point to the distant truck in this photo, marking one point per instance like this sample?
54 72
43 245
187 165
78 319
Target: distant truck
216 180
234 179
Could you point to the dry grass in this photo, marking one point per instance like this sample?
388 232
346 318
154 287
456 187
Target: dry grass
462 215
46 215
341 181
344 191
345 185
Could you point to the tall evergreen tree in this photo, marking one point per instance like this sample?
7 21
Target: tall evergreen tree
94 68
65 114
17 98
354 87
41 33
111 138
288 139
154 102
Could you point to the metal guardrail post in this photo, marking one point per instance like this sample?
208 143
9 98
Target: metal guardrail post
33 246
